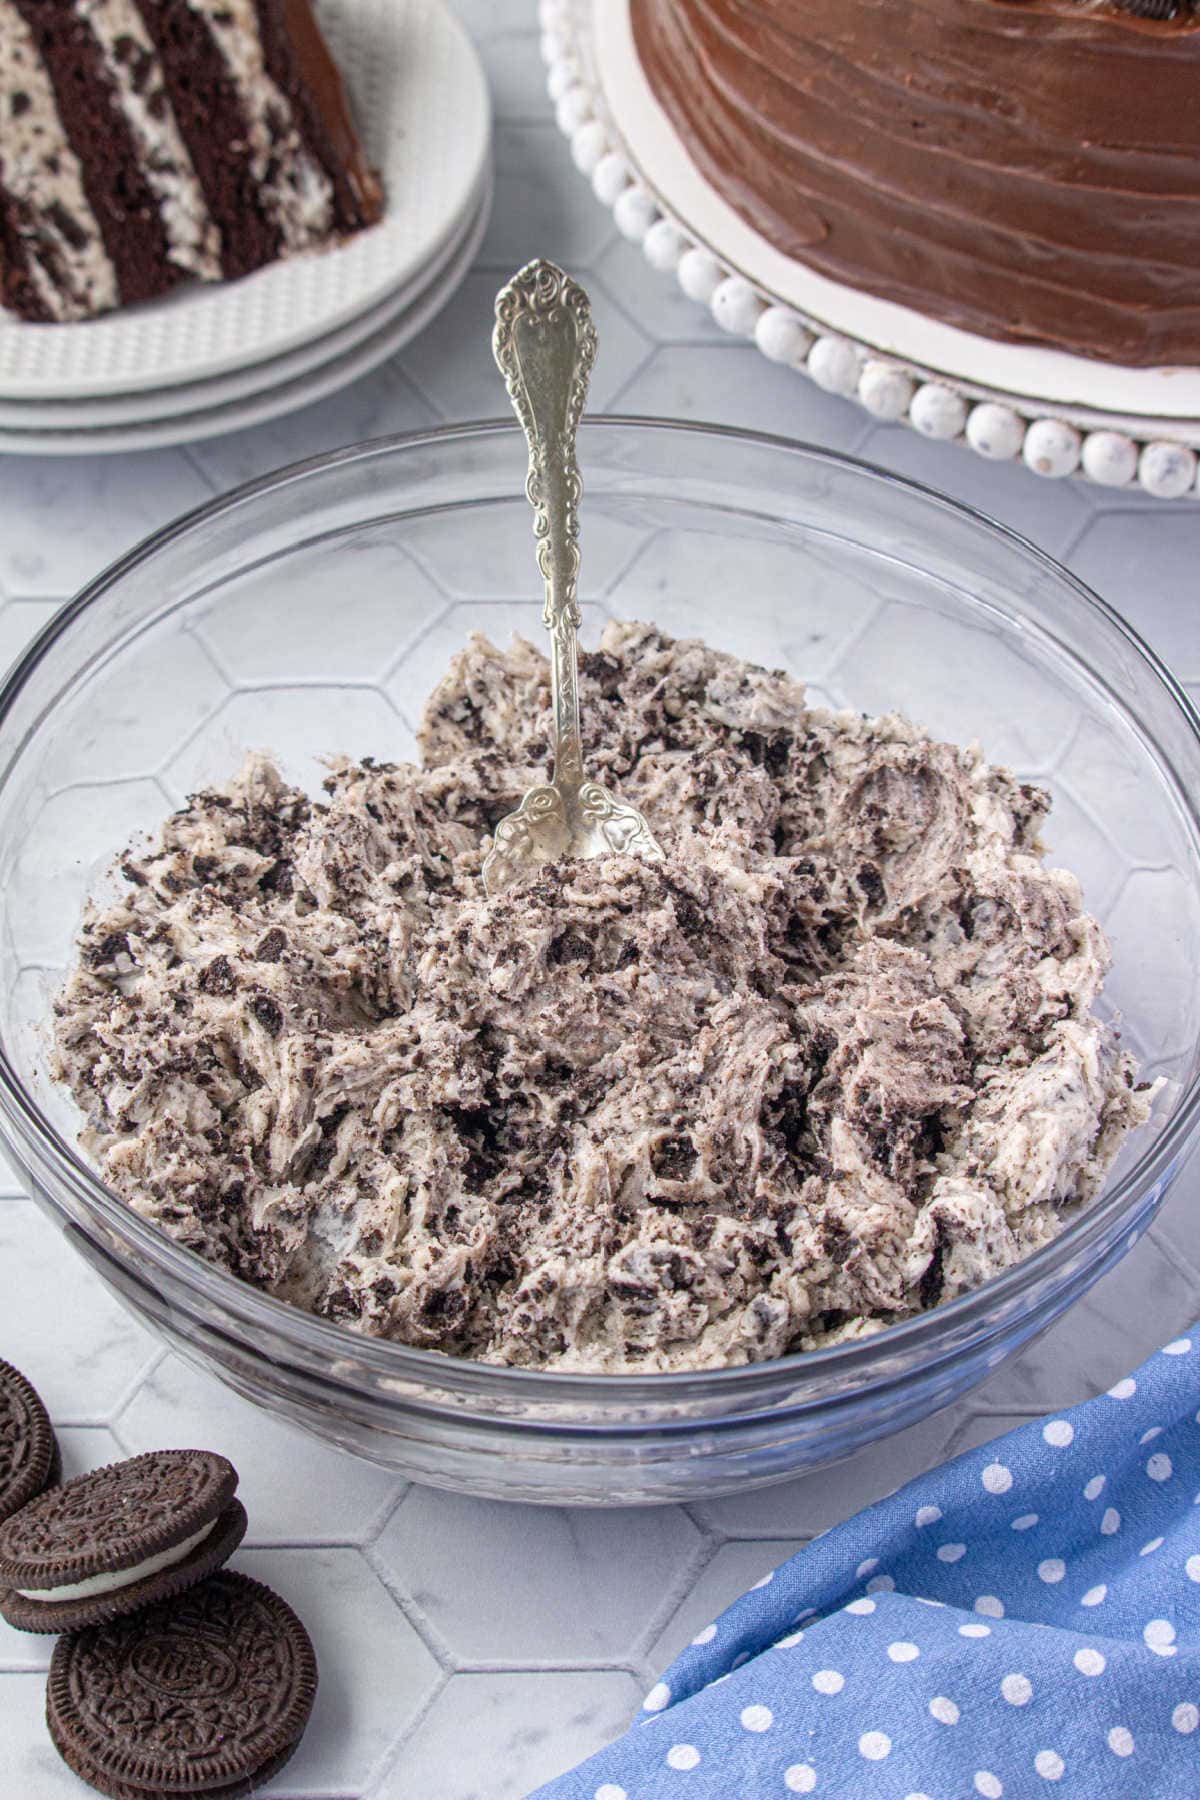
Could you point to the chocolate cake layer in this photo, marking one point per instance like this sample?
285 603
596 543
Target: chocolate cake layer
290 189
136 77
1025 169
204 100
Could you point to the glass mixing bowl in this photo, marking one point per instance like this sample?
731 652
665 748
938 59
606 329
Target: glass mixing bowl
311 612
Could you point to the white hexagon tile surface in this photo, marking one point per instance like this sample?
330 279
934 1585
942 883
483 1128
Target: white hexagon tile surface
469 1650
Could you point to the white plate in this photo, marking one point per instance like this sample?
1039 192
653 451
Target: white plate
257 409
220 390
423 108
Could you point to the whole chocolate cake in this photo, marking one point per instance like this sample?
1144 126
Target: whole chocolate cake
1025 169
146 142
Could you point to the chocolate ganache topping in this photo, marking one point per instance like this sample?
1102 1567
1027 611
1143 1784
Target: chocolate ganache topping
1025 169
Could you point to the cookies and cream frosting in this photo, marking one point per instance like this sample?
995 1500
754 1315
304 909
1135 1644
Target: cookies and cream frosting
834 1060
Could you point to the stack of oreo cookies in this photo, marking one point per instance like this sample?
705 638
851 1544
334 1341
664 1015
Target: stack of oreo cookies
174 1675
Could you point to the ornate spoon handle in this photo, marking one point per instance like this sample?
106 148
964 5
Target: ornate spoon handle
545 344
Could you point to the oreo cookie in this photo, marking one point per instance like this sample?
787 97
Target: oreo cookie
119 1539
205 1694
29 1455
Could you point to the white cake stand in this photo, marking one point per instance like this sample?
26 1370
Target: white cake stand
1064 415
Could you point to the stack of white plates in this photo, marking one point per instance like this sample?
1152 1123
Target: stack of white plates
215 359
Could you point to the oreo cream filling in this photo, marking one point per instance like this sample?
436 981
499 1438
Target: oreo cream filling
109 1583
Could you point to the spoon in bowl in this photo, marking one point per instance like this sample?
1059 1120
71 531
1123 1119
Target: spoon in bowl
545 345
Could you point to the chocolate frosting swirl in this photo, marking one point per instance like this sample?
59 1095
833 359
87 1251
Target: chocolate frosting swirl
1025 169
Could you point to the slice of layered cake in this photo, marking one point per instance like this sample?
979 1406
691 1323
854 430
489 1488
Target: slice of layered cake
144 143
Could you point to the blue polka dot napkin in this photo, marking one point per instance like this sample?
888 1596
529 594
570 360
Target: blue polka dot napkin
1022 1622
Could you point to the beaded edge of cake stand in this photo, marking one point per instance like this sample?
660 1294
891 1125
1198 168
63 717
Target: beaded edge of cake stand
886 388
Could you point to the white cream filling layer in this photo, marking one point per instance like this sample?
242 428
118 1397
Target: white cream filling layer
42 172
109 1584
193 241
299 196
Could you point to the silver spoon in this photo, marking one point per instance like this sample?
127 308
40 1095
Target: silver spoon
545 345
